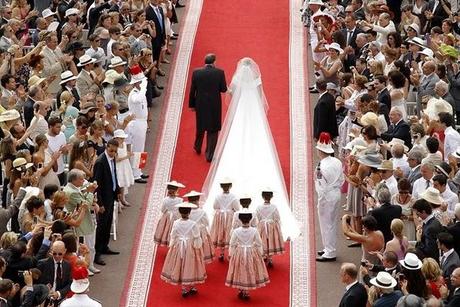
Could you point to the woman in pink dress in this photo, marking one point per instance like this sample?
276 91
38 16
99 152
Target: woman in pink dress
225 205
170 214
184 263
199 216
247 270
269 227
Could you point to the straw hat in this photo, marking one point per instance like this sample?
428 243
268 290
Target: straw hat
85 60
413 26
334 46
21 162
444 168
411 262
186 205
119 133
384 280
193 193
428 52
370 119
317 2
9 115
47 13
395 141
176 184
116 61
225 180
432 195
67 76
386 165
324 143
88 106
80 281
371 159
110 76
72 11
35 80
418 41
435 106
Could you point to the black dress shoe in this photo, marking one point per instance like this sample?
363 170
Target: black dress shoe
193 291
356 244
324 259
110 252
140 180
98 260
144 176
320 253
184 293
176 34
197 150
160 87
179 5
174 38
314 91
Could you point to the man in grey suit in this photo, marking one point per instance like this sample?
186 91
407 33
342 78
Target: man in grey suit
449 260
414 158
425 84
86 83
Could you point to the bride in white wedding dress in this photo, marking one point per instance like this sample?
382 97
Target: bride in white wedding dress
246 152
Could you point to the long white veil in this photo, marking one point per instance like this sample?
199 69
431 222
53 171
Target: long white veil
246 152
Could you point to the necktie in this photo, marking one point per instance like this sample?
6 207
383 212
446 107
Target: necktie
58 273
160 19
114 178
427 184
350 34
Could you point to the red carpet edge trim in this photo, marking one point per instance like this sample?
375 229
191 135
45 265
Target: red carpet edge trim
137 282
303 270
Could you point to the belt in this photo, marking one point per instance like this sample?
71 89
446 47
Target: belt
124 110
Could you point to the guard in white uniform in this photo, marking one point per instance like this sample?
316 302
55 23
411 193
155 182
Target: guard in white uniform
79 286
315 7
137 128
328 181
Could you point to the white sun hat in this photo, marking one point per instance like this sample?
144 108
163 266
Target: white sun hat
116 61
225 180
384 280
317 2
85 60
53 26
176 184
334 46
119 133
432 195
411 262
428 52
67 76
413 26
193 193
72 11
186 205
47 13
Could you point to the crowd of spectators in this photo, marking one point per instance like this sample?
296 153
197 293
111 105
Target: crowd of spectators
78 81
389 72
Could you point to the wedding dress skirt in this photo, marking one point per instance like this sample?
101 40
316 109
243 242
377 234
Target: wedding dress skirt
246 152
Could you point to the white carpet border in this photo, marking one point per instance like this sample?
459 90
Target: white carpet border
144 263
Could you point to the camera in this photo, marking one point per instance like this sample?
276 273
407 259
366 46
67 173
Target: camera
363 263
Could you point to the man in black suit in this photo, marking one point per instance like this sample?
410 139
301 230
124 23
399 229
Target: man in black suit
454 229
449 260
349 33
385 213
398 128
105 174
205 99
389 264
383 95
436 13
427 246
455 282
355 294
324 119
154 13
56 272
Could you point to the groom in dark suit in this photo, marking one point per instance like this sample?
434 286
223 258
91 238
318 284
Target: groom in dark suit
105 174
205 99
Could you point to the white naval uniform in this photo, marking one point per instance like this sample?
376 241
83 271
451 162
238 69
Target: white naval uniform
328 181
317 56
80 300
137 128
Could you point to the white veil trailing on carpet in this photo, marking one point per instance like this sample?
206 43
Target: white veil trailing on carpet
246 152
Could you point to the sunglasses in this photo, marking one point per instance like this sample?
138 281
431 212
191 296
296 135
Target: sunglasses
58 254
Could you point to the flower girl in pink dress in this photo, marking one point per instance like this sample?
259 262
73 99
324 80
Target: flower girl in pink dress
225 205
247 270
269 227
201 218
170 213
184 263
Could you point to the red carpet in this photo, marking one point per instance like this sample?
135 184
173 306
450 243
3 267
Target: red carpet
233 30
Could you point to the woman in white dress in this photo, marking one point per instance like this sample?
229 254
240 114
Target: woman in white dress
124 171
398 91
246 151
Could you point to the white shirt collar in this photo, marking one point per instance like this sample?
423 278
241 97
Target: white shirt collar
351 285
429 217
107 156
447 254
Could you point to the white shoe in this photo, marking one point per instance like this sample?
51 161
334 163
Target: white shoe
90 273
94 270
